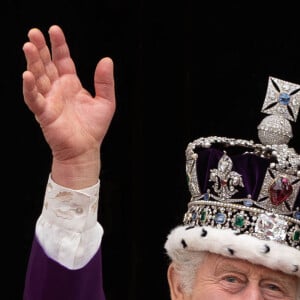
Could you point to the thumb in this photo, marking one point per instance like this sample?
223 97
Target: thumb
104 79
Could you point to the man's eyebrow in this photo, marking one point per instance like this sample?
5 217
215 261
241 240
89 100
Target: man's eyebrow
281 280
226 266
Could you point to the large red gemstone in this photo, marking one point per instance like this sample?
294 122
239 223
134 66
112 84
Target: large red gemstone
280 190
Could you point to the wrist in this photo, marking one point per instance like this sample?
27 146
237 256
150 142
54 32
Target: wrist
76 174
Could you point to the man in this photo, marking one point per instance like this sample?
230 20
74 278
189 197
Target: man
233 242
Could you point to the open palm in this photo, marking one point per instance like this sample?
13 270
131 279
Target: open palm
73 121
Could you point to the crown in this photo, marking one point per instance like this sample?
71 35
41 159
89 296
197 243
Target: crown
245 195
273 215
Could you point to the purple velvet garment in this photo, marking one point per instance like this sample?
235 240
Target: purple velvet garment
48 280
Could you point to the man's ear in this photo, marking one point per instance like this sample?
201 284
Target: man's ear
174 284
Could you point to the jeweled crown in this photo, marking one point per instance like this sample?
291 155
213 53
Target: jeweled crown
251 188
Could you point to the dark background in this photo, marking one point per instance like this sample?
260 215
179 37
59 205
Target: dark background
183 70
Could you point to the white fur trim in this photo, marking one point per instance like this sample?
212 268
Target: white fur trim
225 242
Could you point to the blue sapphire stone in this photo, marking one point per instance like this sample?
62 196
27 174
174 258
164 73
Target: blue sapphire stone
194 216
206 196
284 98
220 218
248 202
297 215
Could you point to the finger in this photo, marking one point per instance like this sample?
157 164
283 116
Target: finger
33 99
36 67
37 38
104 80
60 51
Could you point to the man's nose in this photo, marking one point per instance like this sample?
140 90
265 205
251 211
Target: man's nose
253 292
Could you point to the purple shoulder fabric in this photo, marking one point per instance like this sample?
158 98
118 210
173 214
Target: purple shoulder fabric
48 280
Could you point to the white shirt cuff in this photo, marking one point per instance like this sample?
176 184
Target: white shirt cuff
68 229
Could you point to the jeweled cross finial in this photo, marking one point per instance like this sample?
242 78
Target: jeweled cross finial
282 98
282 104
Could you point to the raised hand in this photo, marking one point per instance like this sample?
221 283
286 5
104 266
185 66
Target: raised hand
73 121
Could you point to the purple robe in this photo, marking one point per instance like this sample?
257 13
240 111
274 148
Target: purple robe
49 280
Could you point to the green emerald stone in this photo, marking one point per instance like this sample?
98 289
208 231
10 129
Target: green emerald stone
239 221
203 216
296 236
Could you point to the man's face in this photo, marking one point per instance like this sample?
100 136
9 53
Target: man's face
225 278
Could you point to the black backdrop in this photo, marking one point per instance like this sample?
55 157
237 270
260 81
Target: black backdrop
182 70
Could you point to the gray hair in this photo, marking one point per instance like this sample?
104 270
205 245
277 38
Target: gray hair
186 265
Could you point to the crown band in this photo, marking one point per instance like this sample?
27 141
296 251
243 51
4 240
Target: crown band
247 220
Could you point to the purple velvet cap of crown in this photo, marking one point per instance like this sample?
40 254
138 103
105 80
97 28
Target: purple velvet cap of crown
251 167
